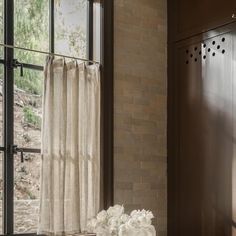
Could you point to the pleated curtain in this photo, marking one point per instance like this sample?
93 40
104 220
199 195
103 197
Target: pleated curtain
70 170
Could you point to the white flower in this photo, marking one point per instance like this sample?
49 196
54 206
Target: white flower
114 222
113 231
132 223
134 213
143 231
92 225
102 216
141 218
115 211
144 221
113 225
137 213
124 218
102 231
123 229
149 216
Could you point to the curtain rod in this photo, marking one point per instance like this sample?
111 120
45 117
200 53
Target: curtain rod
47 53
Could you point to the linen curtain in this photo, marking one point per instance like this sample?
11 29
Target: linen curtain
70 171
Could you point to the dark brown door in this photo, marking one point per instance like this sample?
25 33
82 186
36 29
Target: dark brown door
196 16
203 180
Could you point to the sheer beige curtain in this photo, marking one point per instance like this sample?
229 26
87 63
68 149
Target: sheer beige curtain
70 173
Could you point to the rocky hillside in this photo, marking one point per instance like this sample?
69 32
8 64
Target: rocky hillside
27 124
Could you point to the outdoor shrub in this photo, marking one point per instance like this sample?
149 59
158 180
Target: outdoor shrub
31 118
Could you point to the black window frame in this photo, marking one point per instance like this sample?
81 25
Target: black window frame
9 149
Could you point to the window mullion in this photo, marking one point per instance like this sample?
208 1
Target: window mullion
90 29
51 26
8 200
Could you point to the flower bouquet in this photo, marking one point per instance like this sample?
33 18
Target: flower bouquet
114 222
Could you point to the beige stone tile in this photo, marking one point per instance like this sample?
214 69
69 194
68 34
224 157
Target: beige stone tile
141 106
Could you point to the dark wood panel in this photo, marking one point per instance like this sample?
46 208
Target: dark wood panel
189 159
202 92
217 144
192 17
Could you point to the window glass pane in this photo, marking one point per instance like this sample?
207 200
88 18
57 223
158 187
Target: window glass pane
27 133
31 29
30 57
97 31
1 21
28 108
71 27
26 193
1 52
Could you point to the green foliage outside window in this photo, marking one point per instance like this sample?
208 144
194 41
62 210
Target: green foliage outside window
31 30
31 118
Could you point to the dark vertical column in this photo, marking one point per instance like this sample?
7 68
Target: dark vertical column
8 200
107 98
90 29
51 26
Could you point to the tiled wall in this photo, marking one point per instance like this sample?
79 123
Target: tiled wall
141 107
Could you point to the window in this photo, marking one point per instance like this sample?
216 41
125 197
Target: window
60 26
71 22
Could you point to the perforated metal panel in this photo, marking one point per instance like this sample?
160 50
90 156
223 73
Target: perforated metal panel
209 48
